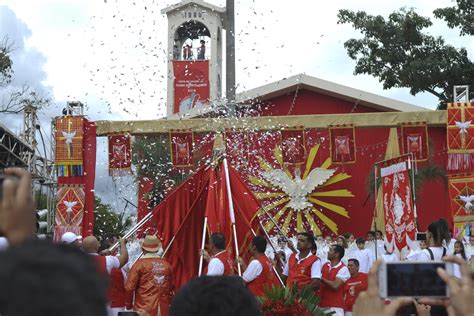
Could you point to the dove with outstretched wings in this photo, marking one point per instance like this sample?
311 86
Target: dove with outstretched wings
298 189
463 126
467 199
69 205
69 136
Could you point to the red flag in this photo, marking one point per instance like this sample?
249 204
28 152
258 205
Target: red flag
181 216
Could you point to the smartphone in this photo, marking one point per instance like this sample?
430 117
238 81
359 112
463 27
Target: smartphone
421 236
414 279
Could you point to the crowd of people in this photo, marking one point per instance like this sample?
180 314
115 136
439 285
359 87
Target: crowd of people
83 277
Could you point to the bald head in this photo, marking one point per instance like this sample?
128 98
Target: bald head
90 244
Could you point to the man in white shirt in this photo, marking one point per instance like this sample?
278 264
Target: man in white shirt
364 256
91 246
220 263
389 256
333 276
303 268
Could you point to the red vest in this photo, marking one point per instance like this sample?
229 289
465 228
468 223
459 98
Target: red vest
265 279
116 289
226 261
329 297
300 273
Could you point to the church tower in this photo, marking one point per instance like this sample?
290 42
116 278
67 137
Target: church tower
195 31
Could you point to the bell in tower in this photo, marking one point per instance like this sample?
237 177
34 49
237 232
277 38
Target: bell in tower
194 56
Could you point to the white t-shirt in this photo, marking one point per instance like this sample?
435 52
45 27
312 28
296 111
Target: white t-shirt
253 271
215 267
424 255
315 267
110 261
390 257
343 274
365 259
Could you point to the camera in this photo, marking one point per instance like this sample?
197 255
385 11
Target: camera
420 236
415 279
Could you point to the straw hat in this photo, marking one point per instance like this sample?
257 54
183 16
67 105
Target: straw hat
151 243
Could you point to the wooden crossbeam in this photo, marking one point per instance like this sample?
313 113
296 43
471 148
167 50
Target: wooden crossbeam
360 120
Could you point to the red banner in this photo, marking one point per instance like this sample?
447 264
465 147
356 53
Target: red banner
69 145
460 136
400 226
120 155
342 143
182 148
415 140
461 193
87 180
293 146
69 210
191 84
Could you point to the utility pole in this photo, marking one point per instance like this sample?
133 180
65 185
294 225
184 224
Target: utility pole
230 55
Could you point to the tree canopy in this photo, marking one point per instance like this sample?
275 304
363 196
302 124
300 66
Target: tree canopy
6 70
401 53
107 222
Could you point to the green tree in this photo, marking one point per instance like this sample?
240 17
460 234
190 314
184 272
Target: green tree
6 70
398 51
151 156
107 222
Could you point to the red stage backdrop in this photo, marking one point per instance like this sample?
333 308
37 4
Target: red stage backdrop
400 226
191 84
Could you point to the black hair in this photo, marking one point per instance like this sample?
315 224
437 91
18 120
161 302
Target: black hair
463 251
439 230
260 243
310 237
360 240
371 233
40 278
356 262
218 240
339 250
214 296
379 231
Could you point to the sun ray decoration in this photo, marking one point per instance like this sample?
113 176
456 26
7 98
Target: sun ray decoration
318 214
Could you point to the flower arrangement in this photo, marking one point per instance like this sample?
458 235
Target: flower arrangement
280 301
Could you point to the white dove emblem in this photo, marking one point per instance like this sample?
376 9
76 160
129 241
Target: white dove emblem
467 199
69 136
463 126
298 189
69 206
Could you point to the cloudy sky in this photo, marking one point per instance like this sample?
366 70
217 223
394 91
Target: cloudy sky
111 54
